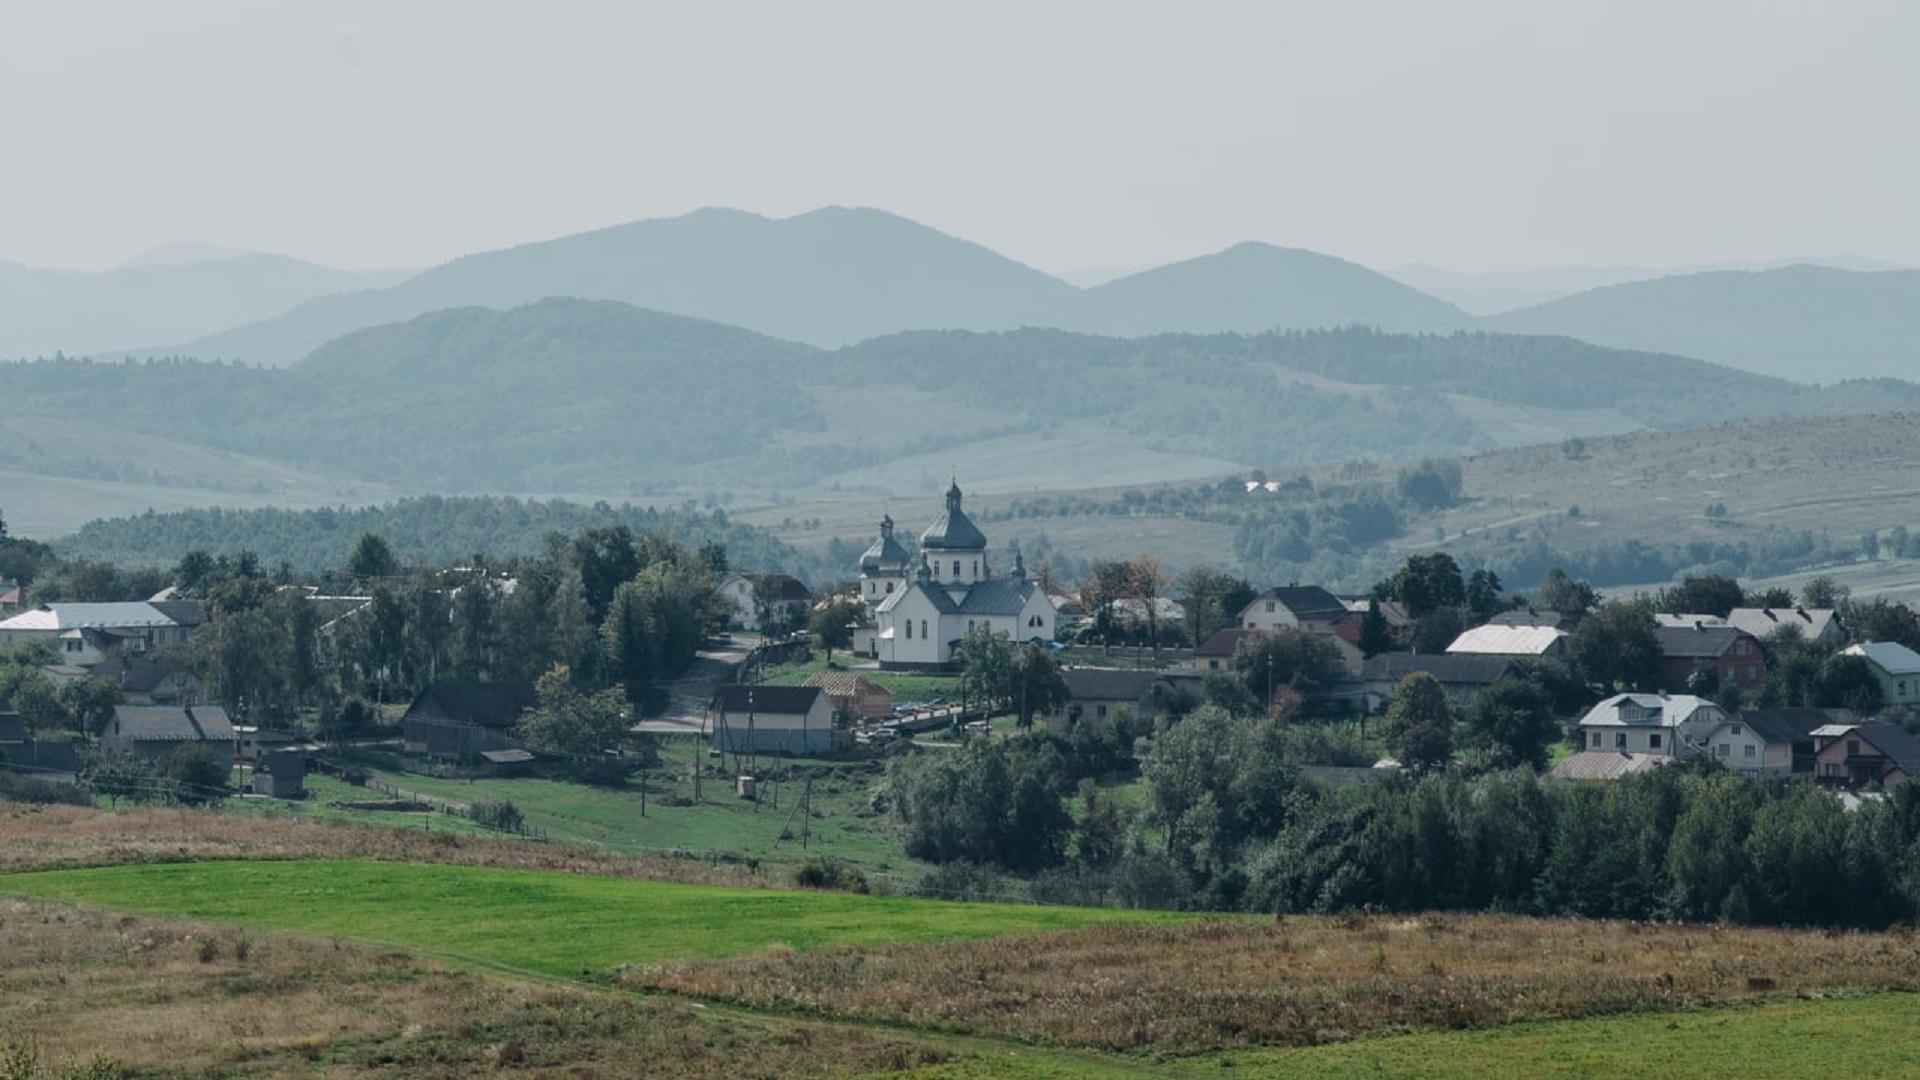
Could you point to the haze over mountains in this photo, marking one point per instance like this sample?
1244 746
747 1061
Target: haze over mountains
837 276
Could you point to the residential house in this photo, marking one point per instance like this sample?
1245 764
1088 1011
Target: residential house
794 720
154 731
86 635
1767 742
1675 725
1512 642
1217 652
1814 625
281 774
792 600
1296 607
151 679
1103 693
1528 616
13 597
1461 675
253 742
1731 657
1864 755
853 696
460 719
1896 666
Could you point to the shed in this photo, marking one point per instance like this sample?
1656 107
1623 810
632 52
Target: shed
795 720
281 774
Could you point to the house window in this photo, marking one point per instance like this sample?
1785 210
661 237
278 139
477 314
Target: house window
1853 747
1213 665
1620 740
1749 750
1735 729
1720 750
73 644
1100 711
1269 606
1594 740
1653 741
889 586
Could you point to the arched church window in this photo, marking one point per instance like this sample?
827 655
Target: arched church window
909 629
923 628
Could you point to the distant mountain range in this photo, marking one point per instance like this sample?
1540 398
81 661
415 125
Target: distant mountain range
602 399
836 276
168 295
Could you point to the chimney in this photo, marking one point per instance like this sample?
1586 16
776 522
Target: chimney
1802 612
1700 625
1771 617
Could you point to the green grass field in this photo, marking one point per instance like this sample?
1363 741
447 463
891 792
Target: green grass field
542 921
1870 1036
841 825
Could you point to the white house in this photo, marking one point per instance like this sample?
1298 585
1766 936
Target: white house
1814 625
1663 725
954 591
1767 742
89 634
792 600
1295 607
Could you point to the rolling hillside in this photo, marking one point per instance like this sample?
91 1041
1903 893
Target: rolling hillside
1809 323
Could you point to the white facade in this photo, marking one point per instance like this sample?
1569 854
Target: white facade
1659 724
954 592
1736 745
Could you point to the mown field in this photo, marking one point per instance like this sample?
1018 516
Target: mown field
514 957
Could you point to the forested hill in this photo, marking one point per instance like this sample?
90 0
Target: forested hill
429 531
570 396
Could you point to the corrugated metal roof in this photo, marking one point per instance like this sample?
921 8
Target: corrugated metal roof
1507 640
63 616
1890 656
1605 765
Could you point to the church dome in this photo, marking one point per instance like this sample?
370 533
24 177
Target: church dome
954 531
886 553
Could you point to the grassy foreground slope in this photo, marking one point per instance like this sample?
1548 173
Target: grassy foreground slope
557 924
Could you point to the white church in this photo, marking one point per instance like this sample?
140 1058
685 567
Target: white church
923 608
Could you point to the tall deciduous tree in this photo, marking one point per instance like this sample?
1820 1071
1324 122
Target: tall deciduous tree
833 623
372 558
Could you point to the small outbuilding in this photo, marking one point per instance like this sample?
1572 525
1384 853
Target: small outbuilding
281 774
794 720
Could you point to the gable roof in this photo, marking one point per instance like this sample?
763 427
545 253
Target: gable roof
1222 643
1657 710
141 672
1605 765
470 701
742 698
1507 640
845 684
1109 684
1892 740
183 612
1765 622
996 597
1697 641
1890 656
1785 725
1306 602
1457 668
63 616
1531 617
160 723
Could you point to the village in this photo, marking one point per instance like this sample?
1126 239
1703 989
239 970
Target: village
937 639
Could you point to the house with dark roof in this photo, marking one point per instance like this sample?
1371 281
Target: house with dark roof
761 719
1729 655
1101 694
1295 607
1217 652
953 592
458 719
151 679
1460 675
1864 755
1768 742
155 731
1528 616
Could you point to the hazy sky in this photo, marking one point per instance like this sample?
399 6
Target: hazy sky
1479 135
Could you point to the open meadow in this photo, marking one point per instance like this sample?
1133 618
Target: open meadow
176 943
